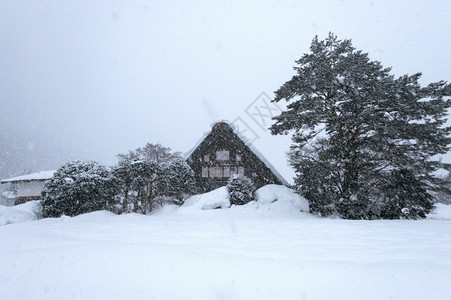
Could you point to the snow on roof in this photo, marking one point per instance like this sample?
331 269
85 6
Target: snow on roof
267 163
205 134
246 141
43 175
260 156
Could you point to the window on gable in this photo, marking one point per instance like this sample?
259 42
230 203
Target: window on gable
207 157
204 172
226 171
240 170
233 170
215 172
238 157
222 155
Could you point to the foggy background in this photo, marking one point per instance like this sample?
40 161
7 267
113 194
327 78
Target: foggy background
91 79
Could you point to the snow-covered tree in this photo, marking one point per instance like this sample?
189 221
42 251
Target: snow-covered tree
123 172
241 189
78 187
137 183
151 154
140 176
177 181
362 137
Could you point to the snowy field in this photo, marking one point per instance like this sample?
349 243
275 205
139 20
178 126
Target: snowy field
258 251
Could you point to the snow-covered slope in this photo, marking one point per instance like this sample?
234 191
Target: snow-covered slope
236 253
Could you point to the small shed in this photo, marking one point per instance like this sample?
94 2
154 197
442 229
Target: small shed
27 187
222 153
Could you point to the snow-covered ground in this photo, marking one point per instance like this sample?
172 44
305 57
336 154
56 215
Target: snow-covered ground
257 251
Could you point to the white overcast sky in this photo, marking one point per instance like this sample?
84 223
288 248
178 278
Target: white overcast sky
91 79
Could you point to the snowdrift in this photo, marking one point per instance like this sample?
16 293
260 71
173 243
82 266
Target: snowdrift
279 197
441 212
270 199
218 198
29 211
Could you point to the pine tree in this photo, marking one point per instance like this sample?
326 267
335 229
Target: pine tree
358 130
78 187
241 190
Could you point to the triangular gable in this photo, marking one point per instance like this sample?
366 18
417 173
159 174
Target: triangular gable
222 153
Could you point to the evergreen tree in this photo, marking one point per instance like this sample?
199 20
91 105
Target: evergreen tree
241 190
362 137
78 187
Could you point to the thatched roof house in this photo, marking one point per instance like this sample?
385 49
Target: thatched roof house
222 153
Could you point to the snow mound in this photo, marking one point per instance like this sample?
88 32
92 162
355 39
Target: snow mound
165 210
272 192
279 199
272 199
441 212
29 211
218 198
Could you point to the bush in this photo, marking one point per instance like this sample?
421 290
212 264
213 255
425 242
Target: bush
78 187
177 181
151 176
241 190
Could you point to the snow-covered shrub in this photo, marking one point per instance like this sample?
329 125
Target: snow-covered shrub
177 181
136 185
241 190
78 187
149 177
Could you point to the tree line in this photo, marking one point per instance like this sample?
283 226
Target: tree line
144 178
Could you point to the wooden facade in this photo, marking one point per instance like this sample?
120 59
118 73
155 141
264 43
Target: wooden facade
221 154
